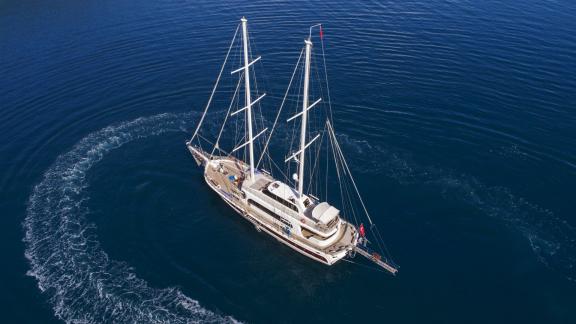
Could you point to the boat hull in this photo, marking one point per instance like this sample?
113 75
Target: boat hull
240 205
281 237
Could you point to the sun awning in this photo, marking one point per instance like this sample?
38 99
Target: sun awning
324 213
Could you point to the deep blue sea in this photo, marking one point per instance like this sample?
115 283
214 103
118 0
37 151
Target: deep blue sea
458 119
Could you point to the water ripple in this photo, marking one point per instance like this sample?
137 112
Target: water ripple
552 239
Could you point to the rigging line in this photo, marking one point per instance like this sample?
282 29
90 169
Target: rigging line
235 131
379 239
245 138
317 168
380 243
207 140
344 194
215 85
388 254
298 93
276 165
317 116
199 143
351 202
326 78
227 115
327 168
348 169
299 99
315 162
242 140
347 199
258 112
281 106
316 70
337 170
316 173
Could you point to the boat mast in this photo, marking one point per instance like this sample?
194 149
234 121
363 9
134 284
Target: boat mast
248 99
308 43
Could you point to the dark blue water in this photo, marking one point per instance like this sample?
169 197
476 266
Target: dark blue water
458 118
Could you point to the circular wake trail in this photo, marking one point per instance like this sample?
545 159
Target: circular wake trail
82 282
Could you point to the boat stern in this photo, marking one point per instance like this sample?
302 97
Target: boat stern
346 244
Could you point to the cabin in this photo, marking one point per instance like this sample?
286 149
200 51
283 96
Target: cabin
280 203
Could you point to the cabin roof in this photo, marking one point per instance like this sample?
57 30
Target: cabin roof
324 213
283 191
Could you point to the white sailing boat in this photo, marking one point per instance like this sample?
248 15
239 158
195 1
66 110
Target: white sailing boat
283 208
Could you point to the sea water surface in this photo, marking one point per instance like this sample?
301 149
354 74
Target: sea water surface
458 119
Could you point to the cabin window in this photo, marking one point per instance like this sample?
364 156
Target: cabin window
280 200
333 222
308 234
269 212
306 202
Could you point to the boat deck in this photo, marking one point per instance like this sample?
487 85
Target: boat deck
346 239
228 176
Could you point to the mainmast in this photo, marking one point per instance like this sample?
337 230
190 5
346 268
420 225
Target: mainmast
301 164
304 114
248 99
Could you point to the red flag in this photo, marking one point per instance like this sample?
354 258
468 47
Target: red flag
321 32
361 230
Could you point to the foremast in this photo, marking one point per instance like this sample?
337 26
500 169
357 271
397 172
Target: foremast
247 108
248 98
249 102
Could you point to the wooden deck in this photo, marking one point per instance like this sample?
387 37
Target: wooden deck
228 177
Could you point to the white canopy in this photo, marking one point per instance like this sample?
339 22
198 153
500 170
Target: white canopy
324 213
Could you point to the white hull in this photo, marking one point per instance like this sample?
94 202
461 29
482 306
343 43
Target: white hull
290 240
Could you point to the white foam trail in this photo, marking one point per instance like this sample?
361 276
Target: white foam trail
65 256
551 238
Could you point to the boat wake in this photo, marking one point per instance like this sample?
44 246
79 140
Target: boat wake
552 239
82 282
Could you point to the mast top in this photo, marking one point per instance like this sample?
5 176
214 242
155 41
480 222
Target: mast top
243 19
312 27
